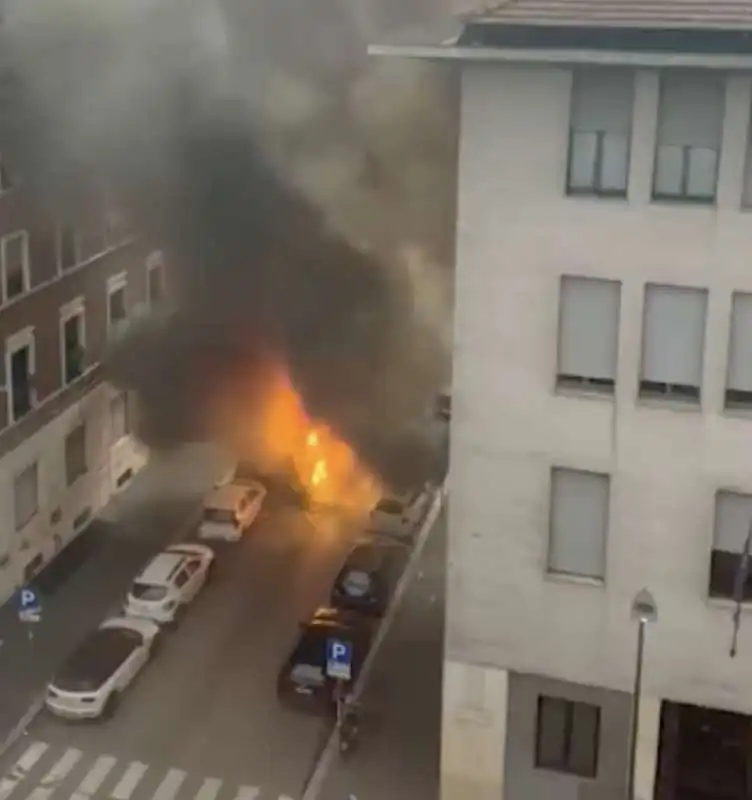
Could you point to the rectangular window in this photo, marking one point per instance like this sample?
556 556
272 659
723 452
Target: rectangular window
117 311
120 415
579 523
739 369
67 252
567 736
75 454
600 132
733 516
20 366
26 496
588 333
73 345
673 342
690 130
14 255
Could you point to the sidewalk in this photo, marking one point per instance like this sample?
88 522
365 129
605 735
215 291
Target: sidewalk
398 752
88 578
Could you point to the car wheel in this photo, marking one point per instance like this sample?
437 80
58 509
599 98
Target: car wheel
110 707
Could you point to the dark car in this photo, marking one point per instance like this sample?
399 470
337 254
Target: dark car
368 576
302 681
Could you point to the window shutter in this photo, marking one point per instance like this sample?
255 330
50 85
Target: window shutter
602 100
673 335
691 109
579 521
740 344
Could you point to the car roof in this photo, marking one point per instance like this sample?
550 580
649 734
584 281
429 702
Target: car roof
226 497
161 568
366 557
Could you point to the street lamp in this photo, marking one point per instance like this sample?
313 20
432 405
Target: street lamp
644 610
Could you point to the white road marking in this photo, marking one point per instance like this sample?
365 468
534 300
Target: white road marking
63 767
130 780
209 789
248 793
170 785
41 793
95 777
31 755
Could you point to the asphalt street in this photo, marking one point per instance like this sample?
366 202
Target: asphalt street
206 709
398 753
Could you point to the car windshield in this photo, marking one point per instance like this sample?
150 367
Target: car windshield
96 659
148 591
219 515
389 507
310 651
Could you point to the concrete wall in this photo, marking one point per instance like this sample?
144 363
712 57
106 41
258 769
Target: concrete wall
59 518
517 234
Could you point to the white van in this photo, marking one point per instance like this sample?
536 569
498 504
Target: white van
230 510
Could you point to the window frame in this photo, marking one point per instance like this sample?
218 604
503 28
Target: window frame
716 570
24 338
565 766
22 234
19 525
116 283
683 196
75 309
72 476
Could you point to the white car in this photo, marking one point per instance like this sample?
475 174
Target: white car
89 683
169 582
400 514
230 510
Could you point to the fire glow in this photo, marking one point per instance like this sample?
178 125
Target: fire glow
324 466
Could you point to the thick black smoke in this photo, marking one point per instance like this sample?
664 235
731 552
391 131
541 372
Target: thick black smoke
167 106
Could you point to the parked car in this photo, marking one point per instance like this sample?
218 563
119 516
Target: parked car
170 581
230 510
302 681
367 578
399 515
90 682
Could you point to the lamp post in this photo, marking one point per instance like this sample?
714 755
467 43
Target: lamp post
643 611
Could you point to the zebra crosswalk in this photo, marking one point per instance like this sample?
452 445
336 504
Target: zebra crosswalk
43 772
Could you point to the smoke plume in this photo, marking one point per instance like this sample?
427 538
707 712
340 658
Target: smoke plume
302 193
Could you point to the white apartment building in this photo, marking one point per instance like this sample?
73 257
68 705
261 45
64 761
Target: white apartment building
602 399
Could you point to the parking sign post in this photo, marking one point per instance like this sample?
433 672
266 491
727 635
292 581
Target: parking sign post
29 609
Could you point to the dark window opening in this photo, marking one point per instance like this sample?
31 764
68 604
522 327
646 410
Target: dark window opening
22 393
73 351
669 391
567 736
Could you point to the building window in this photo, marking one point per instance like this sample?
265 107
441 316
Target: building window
600 132
26 496
588 333
120 415
567 736
155 284
673 342
75 454
739 369
14 253
690 129
73 343
578 523
20 368
733 516
117 312
67 254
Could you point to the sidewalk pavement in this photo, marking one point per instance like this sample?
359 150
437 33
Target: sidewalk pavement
397 757
89 578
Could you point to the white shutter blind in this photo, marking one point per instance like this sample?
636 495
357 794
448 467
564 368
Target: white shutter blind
673 334
691 109
602 100
733 514
579 521
740 343
588 327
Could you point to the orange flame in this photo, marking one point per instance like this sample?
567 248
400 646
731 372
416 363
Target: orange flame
325 466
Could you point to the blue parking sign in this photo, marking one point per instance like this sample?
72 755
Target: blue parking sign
29 607
339 659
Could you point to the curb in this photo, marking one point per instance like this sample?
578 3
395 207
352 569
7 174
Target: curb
315 783
37 704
